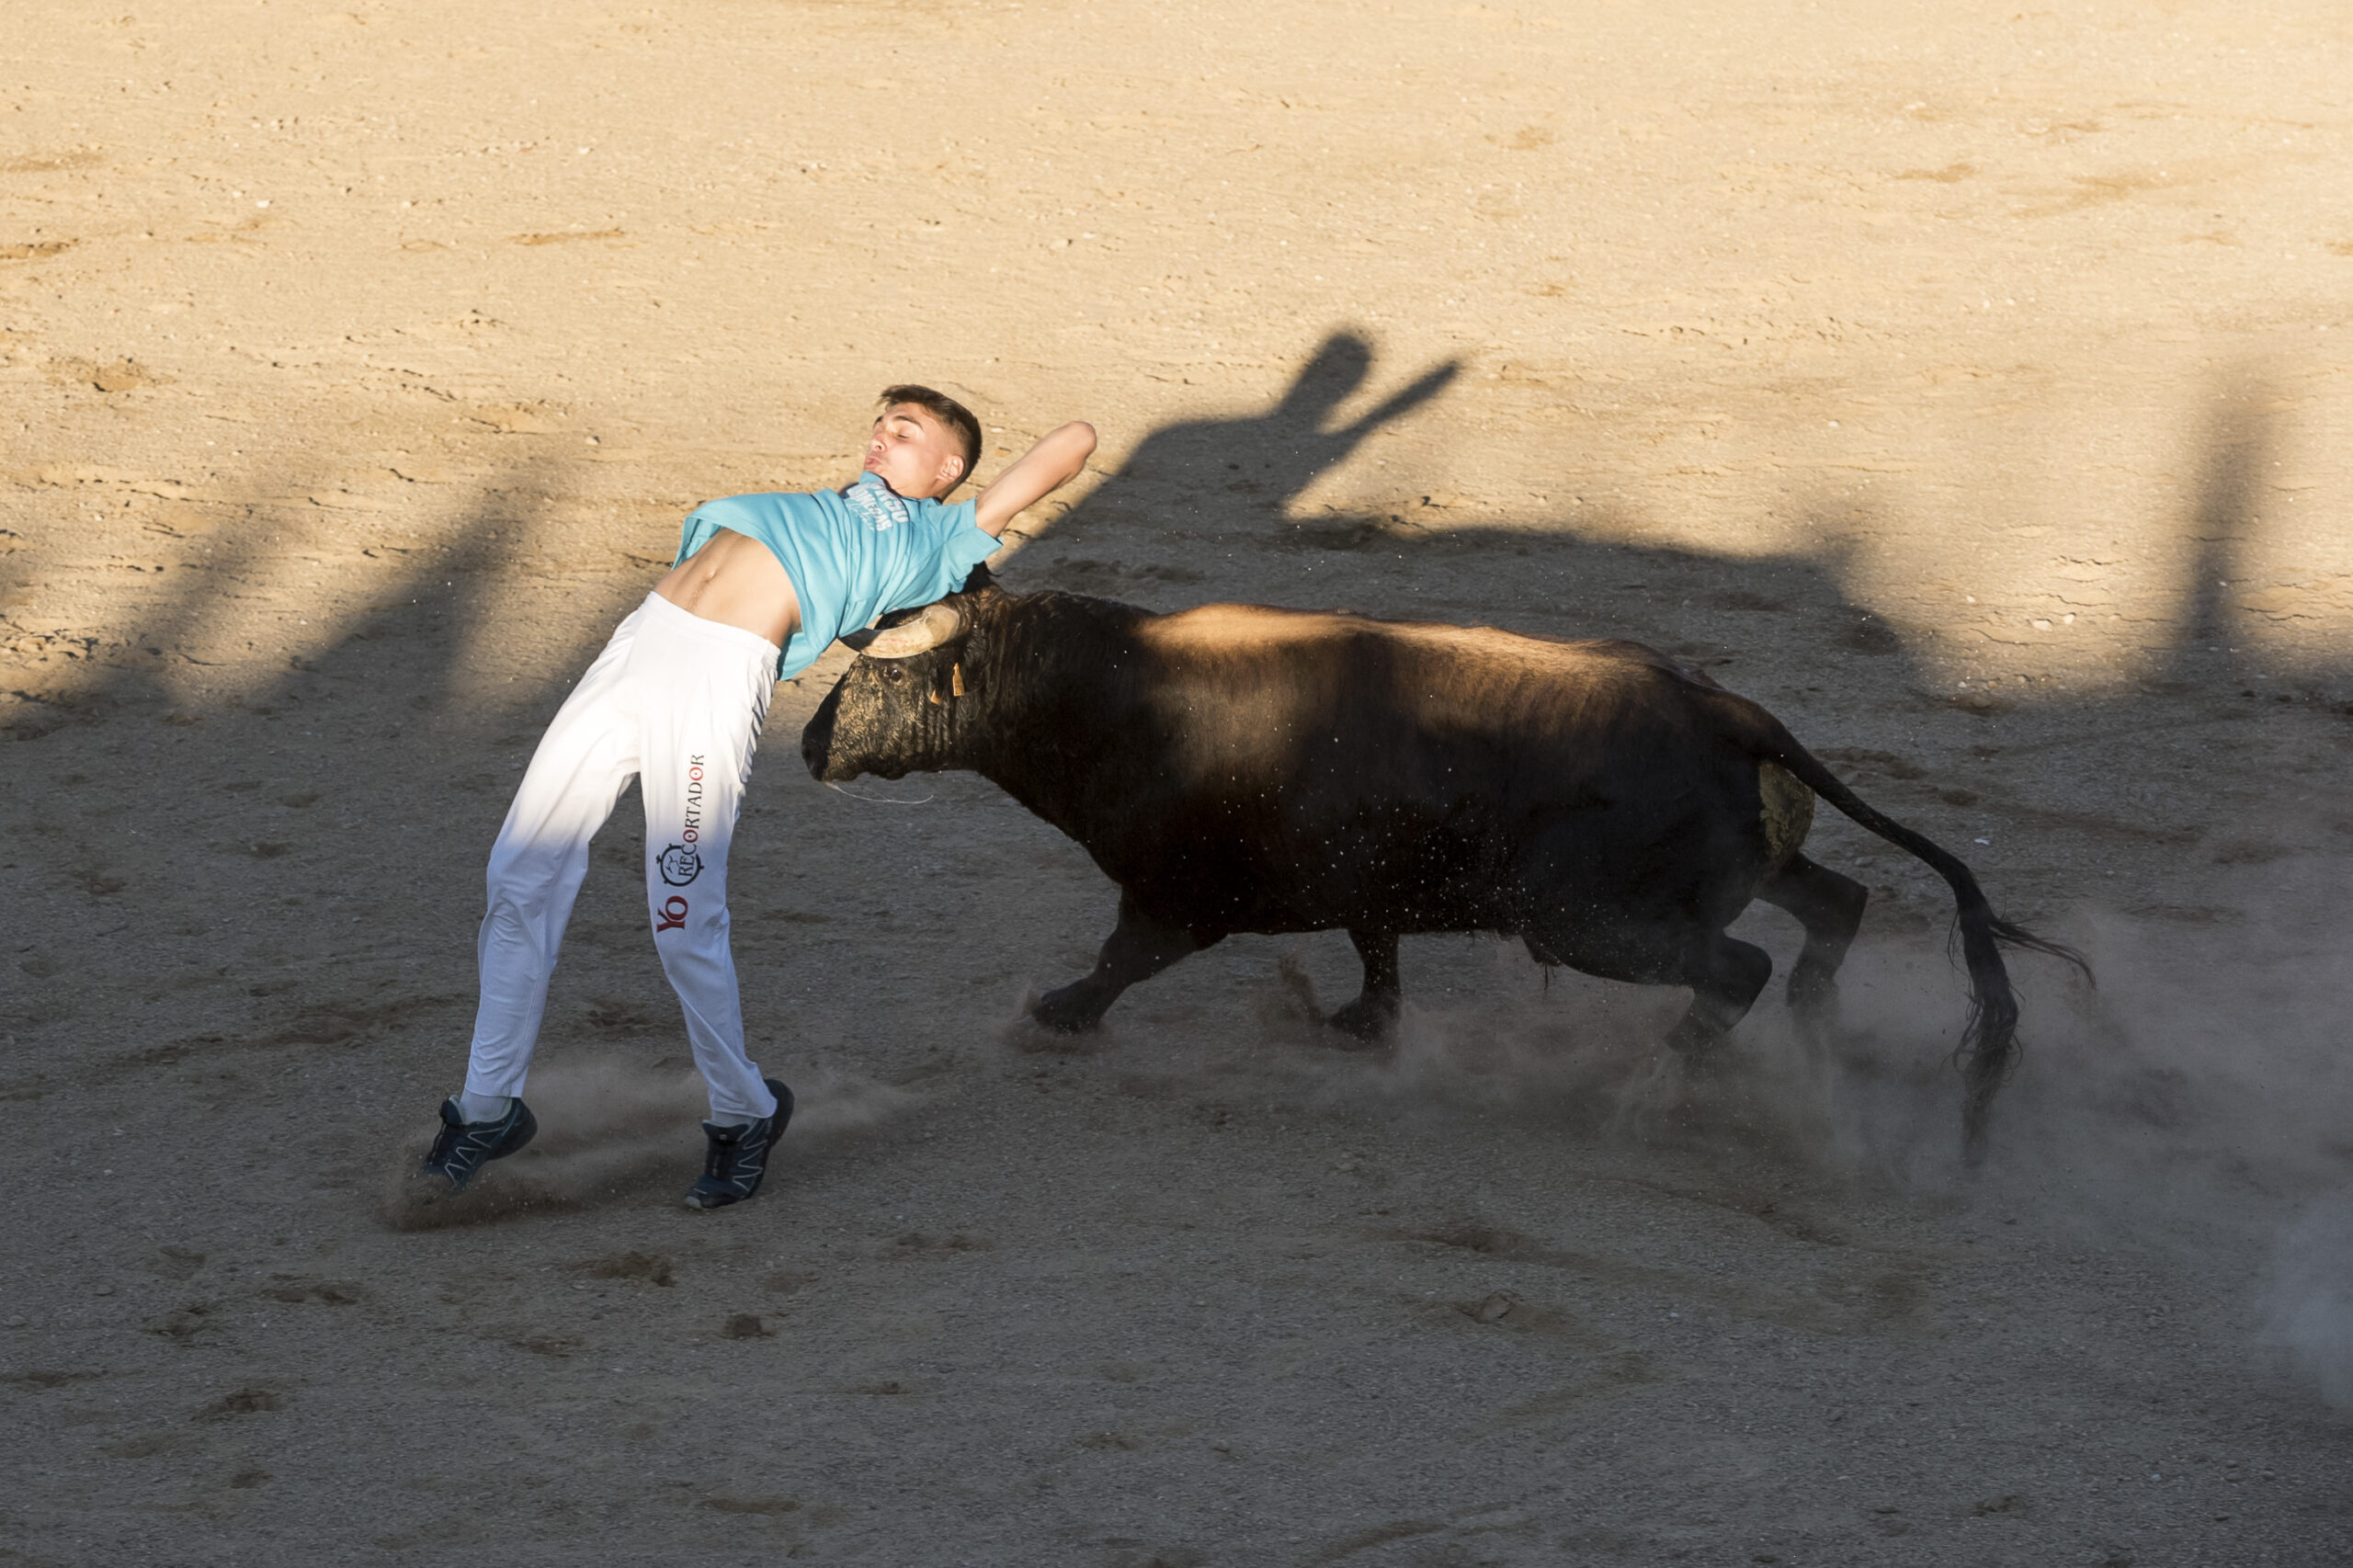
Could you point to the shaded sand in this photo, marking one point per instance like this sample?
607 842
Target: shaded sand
1973 387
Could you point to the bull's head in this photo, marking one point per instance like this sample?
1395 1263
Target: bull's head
912 696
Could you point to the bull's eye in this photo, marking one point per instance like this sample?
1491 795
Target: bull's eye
893 674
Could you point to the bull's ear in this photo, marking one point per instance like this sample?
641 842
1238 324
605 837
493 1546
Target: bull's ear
981 583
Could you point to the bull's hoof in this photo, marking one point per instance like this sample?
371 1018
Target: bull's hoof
1368 1020
1703 1066
1069 1010
1814 996
1976 1118
1688 1043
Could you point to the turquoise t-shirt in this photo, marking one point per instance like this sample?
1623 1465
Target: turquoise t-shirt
851 556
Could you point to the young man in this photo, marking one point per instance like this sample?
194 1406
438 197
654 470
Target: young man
762 585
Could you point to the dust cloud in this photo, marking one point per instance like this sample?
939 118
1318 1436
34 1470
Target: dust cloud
2309 1308
2198 1098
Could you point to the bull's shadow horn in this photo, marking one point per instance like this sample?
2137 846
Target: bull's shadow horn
934 625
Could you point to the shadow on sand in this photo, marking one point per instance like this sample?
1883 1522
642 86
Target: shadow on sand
399 756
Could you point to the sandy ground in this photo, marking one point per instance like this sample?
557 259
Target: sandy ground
1972 384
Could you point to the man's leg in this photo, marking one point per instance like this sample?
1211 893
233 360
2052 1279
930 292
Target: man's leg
696 750
583 763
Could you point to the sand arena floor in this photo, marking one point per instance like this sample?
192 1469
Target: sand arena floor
1974 385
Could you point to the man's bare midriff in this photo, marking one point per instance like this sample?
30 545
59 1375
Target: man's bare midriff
736 581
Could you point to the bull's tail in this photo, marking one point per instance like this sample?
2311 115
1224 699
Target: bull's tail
1989 1044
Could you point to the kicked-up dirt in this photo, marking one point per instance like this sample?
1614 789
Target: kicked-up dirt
1971 385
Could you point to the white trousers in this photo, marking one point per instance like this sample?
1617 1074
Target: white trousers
677 703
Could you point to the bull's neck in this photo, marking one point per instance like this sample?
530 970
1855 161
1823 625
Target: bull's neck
1066 672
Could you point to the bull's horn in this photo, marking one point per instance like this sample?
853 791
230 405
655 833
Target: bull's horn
936 625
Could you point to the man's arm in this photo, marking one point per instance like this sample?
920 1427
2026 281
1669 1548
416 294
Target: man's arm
1035 474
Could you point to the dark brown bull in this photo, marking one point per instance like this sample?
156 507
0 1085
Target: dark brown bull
1241 768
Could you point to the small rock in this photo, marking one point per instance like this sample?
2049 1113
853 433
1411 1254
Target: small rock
746 1325
103 1291
17 1320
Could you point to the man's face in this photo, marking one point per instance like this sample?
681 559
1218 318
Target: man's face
915 454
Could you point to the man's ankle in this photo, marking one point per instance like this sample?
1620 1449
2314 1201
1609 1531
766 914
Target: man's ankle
474 1107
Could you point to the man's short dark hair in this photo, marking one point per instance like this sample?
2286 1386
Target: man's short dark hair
948 411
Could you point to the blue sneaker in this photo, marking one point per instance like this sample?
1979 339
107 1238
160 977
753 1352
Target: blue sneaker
739 1155
463 1147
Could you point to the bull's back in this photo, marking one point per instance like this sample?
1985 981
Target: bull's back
1255 691
1321 768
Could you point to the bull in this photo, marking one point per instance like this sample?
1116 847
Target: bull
1237 768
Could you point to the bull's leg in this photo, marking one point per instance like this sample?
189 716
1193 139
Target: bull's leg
1137 949
1724 974
1375 1009
1830 907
